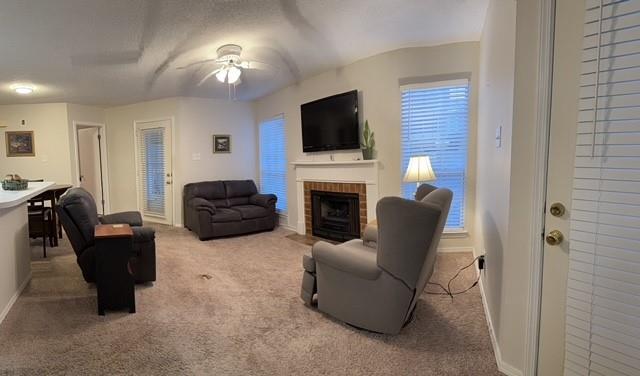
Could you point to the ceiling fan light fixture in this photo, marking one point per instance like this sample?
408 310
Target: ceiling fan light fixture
222 75
234 74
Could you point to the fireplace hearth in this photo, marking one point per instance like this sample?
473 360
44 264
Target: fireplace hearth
335 215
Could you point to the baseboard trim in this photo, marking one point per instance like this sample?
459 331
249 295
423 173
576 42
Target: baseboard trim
503 366
14 298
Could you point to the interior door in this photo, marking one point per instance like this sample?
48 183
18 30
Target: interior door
154 170
569 28
89 164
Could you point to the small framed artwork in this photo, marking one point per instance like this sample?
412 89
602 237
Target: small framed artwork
20 144
221 143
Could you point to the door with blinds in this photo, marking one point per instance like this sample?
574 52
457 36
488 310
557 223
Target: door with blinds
154 172
602 277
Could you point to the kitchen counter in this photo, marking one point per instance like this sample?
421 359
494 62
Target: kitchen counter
10 199
15 248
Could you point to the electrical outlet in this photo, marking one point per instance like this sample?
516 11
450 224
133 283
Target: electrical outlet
499 137
481 262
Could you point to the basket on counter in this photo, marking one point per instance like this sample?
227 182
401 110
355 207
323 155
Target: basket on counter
15 185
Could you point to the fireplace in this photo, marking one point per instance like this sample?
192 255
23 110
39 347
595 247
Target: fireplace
335 215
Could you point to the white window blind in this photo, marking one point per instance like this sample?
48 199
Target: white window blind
435 123
151 161
603 293
273 160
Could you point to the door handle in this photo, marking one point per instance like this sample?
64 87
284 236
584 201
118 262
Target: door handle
555 237
557 209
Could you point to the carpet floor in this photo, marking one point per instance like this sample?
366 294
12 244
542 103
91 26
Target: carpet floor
231 307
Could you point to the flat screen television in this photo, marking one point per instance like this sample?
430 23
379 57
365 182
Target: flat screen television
331 123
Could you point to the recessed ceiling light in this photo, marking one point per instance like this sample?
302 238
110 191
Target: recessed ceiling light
22 89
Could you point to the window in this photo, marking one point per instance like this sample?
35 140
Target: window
273 160
435 122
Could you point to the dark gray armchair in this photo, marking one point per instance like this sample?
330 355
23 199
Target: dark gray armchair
79 216
377 287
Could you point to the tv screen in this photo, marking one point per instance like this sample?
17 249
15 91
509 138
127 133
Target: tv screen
331 123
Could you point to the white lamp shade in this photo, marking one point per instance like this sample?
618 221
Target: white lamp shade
222 75
234 74
419 170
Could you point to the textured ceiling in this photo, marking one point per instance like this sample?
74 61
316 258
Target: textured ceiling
111 52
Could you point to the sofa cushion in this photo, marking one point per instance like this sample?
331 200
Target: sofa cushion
240 188
226 215
221 203
244 200
251 211
209 190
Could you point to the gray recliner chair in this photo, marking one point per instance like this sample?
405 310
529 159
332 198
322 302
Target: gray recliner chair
377 287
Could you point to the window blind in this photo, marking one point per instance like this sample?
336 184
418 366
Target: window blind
435 123
603 291
273 160
151 159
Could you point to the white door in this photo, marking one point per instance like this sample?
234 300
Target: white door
590 313
155 178
562 140
90 168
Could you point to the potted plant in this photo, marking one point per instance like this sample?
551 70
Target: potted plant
368 142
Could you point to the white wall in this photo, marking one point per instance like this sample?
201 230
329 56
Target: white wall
49 123
196 120
493 181
378 79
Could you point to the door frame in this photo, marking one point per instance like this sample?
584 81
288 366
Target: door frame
546 36
76 125
171 120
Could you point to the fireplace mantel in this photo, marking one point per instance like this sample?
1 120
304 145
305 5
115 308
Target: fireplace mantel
358 171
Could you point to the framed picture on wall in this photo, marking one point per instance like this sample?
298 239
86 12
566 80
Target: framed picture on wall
20 144
221 143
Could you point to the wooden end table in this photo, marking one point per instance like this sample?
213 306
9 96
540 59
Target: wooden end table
115 282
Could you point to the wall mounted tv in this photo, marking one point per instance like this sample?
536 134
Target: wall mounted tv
331 123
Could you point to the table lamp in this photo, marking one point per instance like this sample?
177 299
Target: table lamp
419 171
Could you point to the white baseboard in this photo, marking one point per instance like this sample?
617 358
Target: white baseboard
503 366
13 299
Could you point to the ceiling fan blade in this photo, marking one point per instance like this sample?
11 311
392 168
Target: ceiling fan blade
208 76
258 65
197 63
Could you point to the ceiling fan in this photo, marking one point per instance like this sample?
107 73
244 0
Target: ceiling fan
230 65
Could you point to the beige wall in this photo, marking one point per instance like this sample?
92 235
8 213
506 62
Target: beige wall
493 182
49 123
378 79
195 122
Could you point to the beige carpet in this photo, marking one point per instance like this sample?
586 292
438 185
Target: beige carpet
247 319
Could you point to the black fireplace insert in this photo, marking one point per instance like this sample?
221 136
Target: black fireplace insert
335 215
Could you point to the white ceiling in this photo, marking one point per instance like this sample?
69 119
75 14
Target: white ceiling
111 52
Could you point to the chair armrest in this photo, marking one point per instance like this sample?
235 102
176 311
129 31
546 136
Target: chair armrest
349 260
370 236
200 203
143 234
264 200
132 218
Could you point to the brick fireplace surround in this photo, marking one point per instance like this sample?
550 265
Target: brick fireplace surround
359 188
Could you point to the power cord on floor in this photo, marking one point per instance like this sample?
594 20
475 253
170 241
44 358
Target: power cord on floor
447 290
